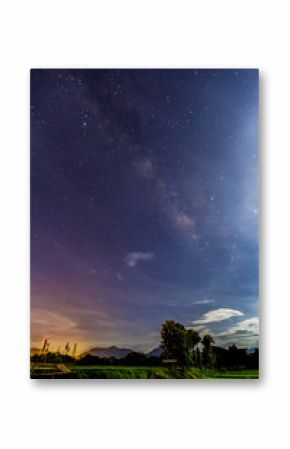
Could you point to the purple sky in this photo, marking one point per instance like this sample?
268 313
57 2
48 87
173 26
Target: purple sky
144 205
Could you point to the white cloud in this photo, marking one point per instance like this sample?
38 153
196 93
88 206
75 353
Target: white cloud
218 315
198 328
244 334
204 301
249 326
133 258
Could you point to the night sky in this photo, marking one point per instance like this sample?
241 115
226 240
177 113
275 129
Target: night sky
144 205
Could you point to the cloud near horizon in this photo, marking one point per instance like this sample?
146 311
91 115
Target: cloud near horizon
244 333
218 315
245 327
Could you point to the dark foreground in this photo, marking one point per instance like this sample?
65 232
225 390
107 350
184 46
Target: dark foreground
61 371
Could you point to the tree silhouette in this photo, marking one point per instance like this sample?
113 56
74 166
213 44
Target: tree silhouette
175 343
179 343
193 337
207 342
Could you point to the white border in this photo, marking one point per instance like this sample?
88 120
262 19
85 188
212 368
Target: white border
144 34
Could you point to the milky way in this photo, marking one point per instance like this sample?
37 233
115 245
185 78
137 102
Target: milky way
144 204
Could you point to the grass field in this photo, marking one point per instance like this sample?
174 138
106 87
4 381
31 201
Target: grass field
237 374
51 371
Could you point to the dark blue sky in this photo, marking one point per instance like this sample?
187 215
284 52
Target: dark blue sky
144 204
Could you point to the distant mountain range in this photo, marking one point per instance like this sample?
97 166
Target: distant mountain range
112 351
156 352
118 353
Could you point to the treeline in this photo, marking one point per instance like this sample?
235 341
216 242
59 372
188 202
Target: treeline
217 358
181 348
52 357
132 359
235 358
187 348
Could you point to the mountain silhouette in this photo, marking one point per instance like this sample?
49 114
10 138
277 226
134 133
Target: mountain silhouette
156 352
112 351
